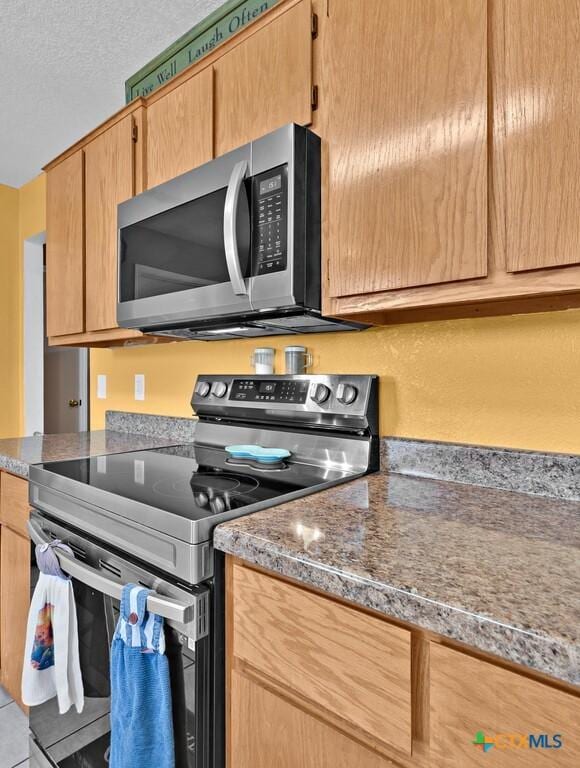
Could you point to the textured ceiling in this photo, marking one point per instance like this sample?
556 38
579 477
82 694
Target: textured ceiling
63 67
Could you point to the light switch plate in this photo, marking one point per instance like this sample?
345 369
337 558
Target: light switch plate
102 386
139 386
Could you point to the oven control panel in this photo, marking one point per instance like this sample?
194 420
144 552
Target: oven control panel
270 390
270 221
304 396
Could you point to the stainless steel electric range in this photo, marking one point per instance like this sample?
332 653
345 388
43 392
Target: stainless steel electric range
147 517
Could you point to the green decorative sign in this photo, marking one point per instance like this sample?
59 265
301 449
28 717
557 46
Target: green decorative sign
225 21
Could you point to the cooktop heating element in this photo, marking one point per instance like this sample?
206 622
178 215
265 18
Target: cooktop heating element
259 441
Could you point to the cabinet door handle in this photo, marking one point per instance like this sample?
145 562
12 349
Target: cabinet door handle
230 222
74 403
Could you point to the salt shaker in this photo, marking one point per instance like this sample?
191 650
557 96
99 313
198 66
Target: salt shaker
298 359
262 359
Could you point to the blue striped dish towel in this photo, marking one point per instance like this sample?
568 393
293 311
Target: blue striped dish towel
141 716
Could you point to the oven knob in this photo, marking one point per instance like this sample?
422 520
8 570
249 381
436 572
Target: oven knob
202 388
320 394
346 394
219 388
217 505
202 499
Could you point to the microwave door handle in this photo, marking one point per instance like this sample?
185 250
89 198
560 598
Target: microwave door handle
230 225
156 603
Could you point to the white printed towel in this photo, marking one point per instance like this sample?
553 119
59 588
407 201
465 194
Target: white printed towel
51 660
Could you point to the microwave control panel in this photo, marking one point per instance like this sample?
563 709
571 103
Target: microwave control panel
270 219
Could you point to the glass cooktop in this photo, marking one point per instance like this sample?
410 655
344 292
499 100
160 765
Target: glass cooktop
192 481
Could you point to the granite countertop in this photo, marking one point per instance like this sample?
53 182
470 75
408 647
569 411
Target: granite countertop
18 453
497 570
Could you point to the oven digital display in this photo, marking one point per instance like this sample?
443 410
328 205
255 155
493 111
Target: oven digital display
271 185
257 391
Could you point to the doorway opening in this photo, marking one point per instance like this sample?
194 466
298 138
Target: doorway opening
56 379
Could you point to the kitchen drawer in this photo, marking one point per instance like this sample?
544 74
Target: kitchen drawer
471 697
14 506
357 667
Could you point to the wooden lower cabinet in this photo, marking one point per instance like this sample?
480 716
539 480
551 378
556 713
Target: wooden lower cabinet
354 666
14 602
470 697
316 683
14 503
14 580
273 732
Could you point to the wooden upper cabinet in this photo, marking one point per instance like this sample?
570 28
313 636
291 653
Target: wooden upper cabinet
404 104
180 129
470 696
65 247
542 134
109 180
265 81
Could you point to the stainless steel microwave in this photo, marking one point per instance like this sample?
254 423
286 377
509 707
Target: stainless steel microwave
229 249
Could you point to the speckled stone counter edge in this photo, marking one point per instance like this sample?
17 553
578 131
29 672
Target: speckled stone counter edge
545 474
14 466
540 653
167 427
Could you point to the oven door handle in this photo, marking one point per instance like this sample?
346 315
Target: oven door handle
230 226
156 603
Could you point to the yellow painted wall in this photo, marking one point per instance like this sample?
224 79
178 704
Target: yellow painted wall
32 214
10 314
22 214
510 381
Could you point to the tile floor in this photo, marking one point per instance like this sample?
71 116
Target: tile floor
13 734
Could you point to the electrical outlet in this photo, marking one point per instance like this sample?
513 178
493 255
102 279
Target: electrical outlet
139 386
102 386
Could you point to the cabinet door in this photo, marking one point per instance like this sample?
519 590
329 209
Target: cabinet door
359 667
265 81
14 602
265 731
542 138
14 506
109 180
473 701
180 129
65 311
404 106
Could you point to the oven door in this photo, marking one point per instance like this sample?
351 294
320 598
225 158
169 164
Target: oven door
184 247
73 739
